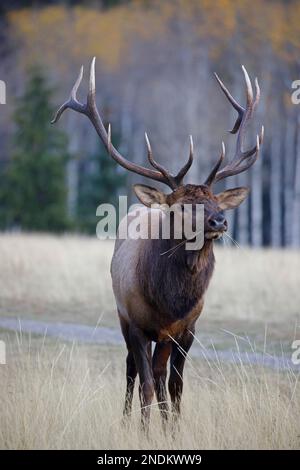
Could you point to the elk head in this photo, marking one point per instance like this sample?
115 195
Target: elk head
214 204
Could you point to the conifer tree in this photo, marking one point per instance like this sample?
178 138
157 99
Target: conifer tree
34 193
101 180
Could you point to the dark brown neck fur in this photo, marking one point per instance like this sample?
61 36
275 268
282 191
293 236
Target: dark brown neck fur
168 285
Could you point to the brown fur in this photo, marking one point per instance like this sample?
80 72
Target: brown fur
190 193
168 285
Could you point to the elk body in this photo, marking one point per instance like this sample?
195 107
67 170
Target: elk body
159 285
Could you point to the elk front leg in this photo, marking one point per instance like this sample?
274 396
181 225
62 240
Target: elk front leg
131 371
159 365
178 357
141 348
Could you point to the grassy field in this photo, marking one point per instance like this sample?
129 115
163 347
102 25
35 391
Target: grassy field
61 395
70 397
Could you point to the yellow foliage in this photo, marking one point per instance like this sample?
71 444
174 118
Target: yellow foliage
82 32
61 35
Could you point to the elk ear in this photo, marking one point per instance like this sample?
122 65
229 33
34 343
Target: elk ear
232 198
149 196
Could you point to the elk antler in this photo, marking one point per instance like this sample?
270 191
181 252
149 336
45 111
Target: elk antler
90 110
242 160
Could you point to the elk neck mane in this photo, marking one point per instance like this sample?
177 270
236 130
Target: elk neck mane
167 283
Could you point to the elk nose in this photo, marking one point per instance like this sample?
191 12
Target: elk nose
217 223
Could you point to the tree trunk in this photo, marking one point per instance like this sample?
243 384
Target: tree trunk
276 190
256 204
288 179
243 213
72 171
296 201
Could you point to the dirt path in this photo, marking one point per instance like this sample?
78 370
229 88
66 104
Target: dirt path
104 335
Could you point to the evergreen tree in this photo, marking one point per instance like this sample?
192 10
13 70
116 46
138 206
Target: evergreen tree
100 182
34 196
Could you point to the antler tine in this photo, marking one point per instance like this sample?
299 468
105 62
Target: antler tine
242 160
76 85
246 161
247 114
158 166
249 153
257 93
249 89
72 102
181 174
234 103
109 139
191 156
91 98
211 177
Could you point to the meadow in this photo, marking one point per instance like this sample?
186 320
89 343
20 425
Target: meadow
59 394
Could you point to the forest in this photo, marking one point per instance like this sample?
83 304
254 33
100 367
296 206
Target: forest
154 73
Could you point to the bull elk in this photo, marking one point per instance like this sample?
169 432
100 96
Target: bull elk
159 298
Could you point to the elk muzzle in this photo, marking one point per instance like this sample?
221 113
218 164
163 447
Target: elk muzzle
216 226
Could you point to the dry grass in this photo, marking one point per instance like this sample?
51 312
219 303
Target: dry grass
56 278
61 397
68 279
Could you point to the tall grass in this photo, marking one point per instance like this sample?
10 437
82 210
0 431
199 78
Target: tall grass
55 396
